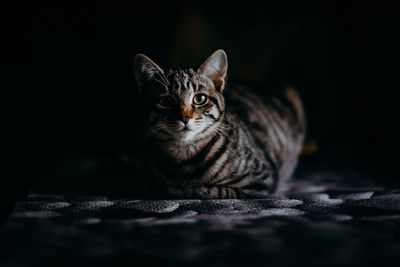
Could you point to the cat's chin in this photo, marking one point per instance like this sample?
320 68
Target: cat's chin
186 135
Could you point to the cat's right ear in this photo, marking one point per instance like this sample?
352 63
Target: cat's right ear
145 69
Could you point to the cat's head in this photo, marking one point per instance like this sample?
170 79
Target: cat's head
182 105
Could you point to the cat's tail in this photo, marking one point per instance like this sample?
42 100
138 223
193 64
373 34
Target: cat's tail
298 128
291 94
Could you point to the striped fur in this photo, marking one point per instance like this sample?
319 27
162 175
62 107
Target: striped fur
235 146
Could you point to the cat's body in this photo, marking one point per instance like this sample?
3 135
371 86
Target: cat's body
230 145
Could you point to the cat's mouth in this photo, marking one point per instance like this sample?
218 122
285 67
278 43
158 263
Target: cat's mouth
185 133
185 130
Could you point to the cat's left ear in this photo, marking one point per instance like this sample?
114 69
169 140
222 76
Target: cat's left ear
145 69
216 68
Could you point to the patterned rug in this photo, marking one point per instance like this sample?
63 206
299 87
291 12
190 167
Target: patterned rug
320 219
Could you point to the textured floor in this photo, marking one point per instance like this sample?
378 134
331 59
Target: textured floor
320 220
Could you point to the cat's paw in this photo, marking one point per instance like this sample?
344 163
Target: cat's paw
206 192
217 192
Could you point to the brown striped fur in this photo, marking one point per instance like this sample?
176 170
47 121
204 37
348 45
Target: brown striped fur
233 146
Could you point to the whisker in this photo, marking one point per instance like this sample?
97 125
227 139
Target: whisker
160 82
222 133
153 130
223 129
164 79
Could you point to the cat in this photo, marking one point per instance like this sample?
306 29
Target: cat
205 139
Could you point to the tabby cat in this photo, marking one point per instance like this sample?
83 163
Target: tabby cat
205 139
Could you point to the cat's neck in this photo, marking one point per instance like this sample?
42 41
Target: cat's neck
180 150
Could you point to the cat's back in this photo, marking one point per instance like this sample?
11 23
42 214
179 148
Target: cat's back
274 117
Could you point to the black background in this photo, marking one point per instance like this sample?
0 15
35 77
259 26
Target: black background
67 86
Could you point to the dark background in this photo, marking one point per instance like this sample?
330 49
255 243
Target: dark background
67 87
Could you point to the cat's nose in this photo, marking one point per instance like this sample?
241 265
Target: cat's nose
186 119
186 114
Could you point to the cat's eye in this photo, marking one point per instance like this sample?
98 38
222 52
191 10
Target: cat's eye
200 99
166 101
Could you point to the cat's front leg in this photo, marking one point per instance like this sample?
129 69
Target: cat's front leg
205 192
213 192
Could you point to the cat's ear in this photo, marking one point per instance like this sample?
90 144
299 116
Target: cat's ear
215 68
145 69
